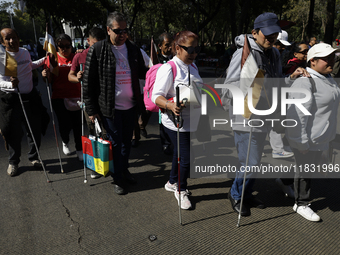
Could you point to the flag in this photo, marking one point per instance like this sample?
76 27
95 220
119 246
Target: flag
250 72
153 54
52 61
8 65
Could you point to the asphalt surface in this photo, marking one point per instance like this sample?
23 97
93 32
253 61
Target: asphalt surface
68 216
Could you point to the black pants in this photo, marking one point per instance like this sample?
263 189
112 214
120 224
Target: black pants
33 111
68 120
302 180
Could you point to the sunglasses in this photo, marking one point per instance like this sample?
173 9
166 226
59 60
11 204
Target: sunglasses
304 52
191 49
120 31
61 46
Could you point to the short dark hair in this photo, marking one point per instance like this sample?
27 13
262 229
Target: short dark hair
115 16
162 37
63 37
4 27
97 33
309 64
257 30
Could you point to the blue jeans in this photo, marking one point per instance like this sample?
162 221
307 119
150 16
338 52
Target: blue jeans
255 154
119 131
184 144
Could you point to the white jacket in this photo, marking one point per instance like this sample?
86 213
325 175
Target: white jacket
314 132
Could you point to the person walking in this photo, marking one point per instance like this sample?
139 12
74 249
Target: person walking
112 93
185 48
313 133
65 95
11 112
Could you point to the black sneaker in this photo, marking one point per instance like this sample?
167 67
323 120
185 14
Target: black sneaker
119 188
236 205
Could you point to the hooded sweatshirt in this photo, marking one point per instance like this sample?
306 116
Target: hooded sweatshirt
270 62
314 132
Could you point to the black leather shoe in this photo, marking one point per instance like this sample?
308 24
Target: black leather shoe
254 202
128 177
119 189
144 133
236 205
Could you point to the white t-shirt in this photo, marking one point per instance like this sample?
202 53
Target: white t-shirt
123 87
165 86
24 70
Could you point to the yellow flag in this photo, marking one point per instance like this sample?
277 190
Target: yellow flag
49 46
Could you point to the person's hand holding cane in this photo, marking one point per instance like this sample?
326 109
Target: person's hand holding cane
15 82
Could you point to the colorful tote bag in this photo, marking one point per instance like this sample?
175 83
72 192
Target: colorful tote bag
98 155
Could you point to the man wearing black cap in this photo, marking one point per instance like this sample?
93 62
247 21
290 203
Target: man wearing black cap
261 40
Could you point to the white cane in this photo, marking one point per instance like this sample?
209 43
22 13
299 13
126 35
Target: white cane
55 132
244 177
29 127
178 104
82 106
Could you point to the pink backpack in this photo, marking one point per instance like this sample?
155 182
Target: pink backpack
149 83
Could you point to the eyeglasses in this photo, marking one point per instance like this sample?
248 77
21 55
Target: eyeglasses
120 31
191 49
304 52
61 46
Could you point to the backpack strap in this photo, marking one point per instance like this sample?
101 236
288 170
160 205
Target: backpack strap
174 69
313 84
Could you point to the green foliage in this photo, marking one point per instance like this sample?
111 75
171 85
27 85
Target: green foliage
214 21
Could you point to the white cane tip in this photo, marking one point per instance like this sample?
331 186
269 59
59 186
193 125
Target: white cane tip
85 181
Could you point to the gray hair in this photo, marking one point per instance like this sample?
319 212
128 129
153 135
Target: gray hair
115 16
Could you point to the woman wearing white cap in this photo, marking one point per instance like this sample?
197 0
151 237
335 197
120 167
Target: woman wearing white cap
312 133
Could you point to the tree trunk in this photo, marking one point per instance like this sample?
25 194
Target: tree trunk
232 22
310 20
328 38
244 14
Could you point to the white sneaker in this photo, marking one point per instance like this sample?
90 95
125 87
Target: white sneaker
37 164
95 175
185 202
66 149
170 187
284 154
12 170
306 212
80 155
173 187
287 189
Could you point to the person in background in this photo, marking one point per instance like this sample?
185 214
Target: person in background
76 75
164 55
312 42
297 58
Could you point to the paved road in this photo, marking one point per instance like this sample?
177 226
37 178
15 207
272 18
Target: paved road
70 217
